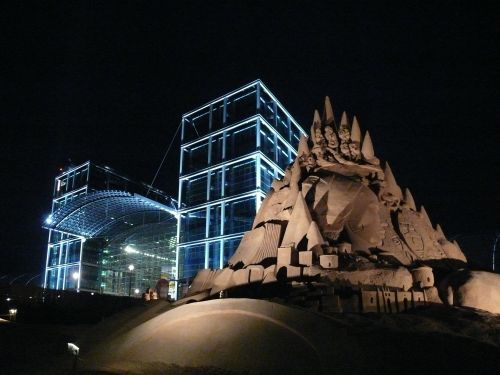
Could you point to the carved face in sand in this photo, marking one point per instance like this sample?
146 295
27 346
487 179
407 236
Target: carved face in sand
389 199
311 161
331 137
318 136
344 133
344 150
355 151
316 150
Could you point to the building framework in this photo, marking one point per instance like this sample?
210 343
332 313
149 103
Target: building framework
231 150
108 234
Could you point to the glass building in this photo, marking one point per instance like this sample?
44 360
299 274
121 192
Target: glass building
109 234
231 150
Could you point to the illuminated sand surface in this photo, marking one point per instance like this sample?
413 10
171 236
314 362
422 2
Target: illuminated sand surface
256 336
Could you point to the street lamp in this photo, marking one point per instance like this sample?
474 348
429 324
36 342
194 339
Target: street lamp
497 237
130 268
12 314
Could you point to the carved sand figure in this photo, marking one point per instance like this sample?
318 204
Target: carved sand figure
338 217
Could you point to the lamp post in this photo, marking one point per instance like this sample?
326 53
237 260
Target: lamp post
497 237
130 268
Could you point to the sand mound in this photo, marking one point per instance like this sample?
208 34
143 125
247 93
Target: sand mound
260 337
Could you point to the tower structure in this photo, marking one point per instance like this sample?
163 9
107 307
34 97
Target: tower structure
232 148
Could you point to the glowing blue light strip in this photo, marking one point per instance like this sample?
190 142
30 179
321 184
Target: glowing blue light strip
219 201
234 92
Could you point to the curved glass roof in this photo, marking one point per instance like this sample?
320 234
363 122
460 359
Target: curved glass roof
96 213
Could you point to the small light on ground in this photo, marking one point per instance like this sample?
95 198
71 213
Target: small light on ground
73 349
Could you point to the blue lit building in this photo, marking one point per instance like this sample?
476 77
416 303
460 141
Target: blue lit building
231 150
101 223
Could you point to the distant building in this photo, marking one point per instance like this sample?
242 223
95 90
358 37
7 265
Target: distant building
231 150
108 234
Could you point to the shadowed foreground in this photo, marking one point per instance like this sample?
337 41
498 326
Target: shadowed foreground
259 337
242 336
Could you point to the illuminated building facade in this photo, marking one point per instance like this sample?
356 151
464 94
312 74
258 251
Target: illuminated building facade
231 150
108 234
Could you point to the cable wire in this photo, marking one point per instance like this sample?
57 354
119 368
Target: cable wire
164 157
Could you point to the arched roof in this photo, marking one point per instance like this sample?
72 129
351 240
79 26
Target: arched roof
95 213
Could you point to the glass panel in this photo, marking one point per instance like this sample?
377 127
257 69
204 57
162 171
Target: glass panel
242 105
72 277
266 176
283 159
240 178
295 139
89 278
216 184
214 228
230 247
194 190
150 248
267 143
51 279
201 122
193 225
218 116
92 249
80 178
191 259
282 124
196 125
238 215
64 249
216 156
53 255
214 254
240 141
195 157
73 251
60 277
267 108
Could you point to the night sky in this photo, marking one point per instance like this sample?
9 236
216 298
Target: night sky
109 82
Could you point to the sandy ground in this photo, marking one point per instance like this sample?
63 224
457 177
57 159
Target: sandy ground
430 340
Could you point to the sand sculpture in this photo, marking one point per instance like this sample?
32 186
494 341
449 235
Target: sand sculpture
339 219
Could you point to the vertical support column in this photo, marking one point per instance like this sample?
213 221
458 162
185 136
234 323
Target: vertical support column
224 113
221 254
47 260
258 170
82 241
182 130
276 151
206 254
210 118
257 141
258 90
224 133
275 109
223 219
209 148
207 196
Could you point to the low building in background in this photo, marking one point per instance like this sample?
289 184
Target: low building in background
109 234
231 150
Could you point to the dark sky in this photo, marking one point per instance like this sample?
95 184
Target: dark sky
109 82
